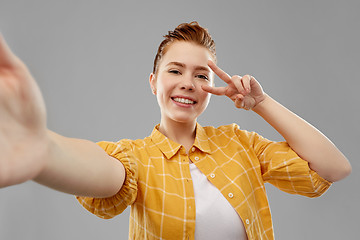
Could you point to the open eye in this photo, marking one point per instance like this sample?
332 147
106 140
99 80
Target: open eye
174 71
202 76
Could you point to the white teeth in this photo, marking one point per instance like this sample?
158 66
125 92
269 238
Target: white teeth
183 100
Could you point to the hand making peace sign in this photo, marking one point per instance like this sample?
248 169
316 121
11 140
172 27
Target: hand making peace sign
244 91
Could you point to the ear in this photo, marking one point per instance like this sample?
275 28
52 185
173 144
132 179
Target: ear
152 80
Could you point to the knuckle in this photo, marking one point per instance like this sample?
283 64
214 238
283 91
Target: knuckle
236 78
248 76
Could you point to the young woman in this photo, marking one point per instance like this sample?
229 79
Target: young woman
184 181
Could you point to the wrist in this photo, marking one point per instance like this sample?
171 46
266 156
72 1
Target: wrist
262 104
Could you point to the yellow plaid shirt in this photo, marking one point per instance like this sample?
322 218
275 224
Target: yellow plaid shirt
159 188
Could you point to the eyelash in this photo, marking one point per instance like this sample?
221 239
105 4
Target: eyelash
174 71
202 76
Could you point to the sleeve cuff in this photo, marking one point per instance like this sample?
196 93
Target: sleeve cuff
110 207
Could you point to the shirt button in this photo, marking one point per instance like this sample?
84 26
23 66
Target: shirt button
196 158
231 195
193 149
247 221
212 175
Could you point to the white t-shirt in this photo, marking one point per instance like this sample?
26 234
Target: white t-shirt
215 217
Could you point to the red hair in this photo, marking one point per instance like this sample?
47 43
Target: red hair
189 32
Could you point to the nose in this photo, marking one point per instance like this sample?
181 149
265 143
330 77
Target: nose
187 83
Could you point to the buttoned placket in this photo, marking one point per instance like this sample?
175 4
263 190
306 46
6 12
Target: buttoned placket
190 203
230 195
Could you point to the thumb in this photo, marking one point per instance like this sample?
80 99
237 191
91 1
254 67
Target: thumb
7 57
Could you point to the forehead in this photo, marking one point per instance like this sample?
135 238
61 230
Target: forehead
187 53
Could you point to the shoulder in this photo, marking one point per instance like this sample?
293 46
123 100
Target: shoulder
232 133
123 146
228 130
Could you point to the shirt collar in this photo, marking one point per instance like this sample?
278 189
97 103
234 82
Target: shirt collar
169 148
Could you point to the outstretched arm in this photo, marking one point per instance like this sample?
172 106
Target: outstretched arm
308 142
28 150
80 167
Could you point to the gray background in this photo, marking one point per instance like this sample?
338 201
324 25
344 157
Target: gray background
92 60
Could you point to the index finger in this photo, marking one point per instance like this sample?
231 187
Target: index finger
219 72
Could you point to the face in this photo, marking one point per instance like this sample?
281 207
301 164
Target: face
177 83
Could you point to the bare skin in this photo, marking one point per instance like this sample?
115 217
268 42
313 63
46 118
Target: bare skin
181 73
22 121
308 142
28 150
178 122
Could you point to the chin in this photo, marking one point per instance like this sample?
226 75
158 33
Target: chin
183 118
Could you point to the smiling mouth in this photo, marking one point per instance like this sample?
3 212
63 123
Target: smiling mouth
183 100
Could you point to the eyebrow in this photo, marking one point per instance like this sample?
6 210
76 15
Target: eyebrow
184 65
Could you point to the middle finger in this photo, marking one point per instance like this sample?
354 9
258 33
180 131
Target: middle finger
237 81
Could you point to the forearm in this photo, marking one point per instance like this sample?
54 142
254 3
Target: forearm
80 167
29 151
308 142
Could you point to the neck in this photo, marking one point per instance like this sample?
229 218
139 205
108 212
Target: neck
182 133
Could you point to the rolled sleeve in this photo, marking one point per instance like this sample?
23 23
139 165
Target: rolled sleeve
110 207
284 169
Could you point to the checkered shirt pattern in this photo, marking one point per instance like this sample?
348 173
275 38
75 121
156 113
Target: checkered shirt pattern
159 188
